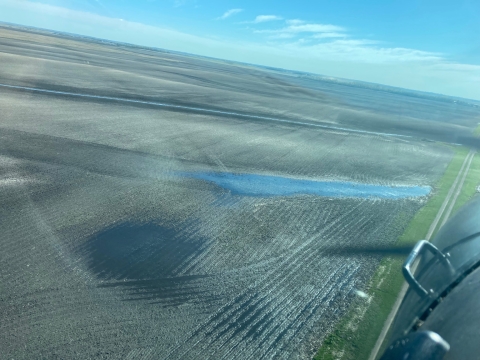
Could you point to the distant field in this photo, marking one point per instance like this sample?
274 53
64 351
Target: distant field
116 244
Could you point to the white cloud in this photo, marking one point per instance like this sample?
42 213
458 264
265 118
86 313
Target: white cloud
297 27
359 51
279 36
229 13
265 18
312 28
329 35
328 42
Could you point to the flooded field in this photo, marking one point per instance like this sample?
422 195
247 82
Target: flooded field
264 186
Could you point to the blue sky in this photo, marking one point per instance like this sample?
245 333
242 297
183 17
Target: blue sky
423 45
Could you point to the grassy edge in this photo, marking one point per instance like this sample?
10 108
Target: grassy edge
472 181
356 334
476 132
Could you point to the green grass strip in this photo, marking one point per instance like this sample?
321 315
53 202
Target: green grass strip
476 132
472 182
356 334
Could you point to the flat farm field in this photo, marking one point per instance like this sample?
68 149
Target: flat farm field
159 205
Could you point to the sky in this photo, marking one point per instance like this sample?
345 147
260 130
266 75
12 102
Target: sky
426 45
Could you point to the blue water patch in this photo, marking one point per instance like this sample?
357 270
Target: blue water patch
264 186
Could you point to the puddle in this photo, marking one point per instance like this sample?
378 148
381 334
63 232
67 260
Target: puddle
265 186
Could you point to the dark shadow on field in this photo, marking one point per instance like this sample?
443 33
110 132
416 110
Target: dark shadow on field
130 251
134 251
144 259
